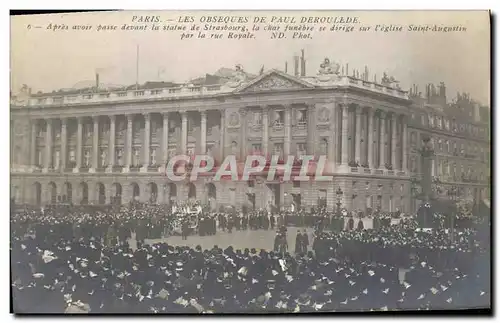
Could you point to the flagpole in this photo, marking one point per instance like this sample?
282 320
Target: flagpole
137 69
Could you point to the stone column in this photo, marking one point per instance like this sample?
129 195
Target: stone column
48 145
184 132
311 130
165 138
79 135
64 143
370 142
146 142
111 145
265 130
243 138
405 145
345 135
128 160
394 142
332 142
357 139
288 130
95 145
203 134
382 140
33 143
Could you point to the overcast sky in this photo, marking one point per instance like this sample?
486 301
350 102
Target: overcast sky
48 60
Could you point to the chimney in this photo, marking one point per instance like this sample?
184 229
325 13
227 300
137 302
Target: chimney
97 81
302 64
286 67
296 66
477 112
366 73
342 70
29 91
347 69
442 90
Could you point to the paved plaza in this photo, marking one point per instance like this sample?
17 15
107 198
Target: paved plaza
258 239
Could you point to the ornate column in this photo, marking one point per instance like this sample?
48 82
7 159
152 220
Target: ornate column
370 142
48 145
79 134
265 129
111 145
405 145
357 140
393 142
146 142
243 129
332 142
64 143
33 143
184 131
345 135
165 138
95 144
382 139
288 130
203 135
311 129
128 161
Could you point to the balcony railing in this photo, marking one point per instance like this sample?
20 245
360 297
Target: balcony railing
184 90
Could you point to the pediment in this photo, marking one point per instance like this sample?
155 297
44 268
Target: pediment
272 81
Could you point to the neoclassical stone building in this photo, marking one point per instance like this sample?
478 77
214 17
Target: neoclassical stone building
111 145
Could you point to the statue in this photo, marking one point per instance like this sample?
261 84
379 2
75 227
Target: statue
390 81
328 68
385 79
239 75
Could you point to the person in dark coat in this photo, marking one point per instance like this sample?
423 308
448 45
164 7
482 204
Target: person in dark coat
185 229
298 243
230 223
277 241
305 241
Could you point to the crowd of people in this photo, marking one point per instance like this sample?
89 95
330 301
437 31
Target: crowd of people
79 259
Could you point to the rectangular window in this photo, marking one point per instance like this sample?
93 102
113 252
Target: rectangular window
172 152
279 118
103 156
301 117
119 156
257 118
57 158
256 148
153 156
86 157
301 149
278 149
137 156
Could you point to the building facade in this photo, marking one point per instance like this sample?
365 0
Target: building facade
459 133
111 146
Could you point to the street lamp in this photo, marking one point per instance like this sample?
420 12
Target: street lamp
453 194
339 198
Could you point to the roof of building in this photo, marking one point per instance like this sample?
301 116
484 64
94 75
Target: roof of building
221 76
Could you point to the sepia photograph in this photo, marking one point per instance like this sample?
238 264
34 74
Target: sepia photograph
250 162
